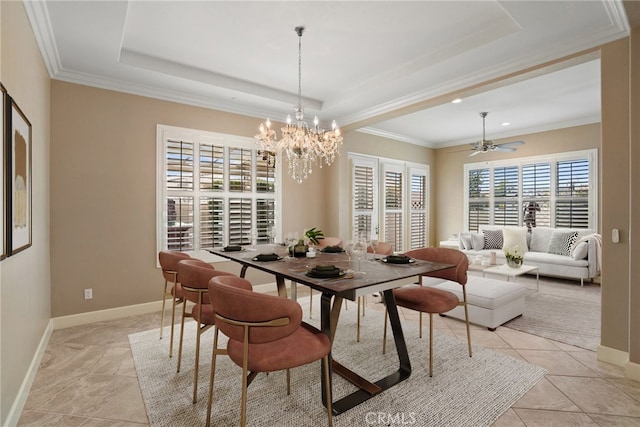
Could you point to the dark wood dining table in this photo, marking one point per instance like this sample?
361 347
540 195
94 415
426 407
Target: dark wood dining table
371 276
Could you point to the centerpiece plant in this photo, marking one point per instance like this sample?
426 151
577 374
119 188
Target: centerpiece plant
514 256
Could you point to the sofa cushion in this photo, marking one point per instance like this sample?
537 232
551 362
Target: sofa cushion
580 251
540 237
537 258
515 236
477 241
492 239
561 242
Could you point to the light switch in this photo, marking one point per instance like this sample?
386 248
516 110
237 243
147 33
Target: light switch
615 235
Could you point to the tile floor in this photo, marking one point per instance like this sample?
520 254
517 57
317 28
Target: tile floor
87 379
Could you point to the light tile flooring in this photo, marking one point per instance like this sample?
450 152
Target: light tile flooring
87 379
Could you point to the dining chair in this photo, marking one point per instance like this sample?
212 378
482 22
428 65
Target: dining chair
329 241
168 263
266 334
382 248
427 299
194 276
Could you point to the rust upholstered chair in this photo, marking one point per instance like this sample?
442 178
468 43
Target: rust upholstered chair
383 248
193 275
426 299
169 262
266 334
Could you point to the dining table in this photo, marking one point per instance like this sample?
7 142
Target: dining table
356 278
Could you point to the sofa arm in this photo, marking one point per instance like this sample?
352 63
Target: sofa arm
593 256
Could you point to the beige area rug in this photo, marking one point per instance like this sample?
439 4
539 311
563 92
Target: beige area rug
562 311
464 391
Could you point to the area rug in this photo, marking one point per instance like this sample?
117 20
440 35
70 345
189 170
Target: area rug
560 310
464 391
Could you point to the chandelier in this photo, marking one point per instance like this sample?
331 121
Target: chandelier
303 145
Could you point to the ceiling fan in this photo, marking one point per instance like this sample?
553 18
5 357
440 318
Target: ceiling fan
485 145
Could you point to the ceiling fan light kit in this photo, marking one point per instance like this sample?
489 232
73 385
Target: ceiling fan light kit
485 145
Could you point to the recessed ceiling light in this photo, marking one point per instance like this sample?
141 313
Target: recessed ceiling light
456 101
506 124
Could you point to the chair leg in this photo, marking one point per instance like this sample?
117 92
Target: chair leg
466 318
181 335
430 344
197 359
420 323
288 381
358 321
245 384
310 302
164 299
214 354
328 394
173 321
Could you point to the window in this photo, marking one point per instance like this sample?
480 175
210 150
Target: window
213 190
550 191
390 201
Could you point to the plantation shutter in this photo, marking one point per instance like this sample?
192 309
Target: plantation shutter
364 197
393 205
418 211
536 194
505 190
479 192
572 194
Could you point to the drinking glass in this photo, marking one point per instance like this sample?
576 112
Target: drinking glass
359 252
272 234
348 250
374 246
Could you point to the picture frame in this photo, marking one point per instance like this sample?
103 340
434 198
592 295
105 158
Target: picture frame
3 201
19 179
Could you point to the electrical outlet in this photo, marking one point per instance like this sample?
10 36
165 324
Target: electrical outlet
88 293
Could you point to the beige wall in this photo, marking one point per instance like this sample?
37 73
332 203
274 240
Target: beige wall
449 173
103 171
634 292
24 278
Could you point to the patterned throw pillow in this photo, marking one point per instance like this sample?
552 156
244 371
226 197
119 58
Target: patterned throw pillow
492 239
561 243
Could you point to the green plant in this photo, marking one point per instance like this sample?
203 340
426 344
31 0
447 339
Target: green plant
314 235
514 255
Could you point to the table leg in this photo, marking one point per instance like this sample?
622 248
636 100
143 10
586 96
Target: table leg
329 320
282 286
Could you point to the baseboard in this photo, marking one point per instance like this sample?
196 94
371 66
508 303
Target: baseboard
23 393
120 312
613 356
632 371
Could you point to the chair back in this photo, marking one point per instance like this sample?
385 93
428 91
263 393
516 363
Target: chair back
193 275
383 248
237 304
445 256
169 263
329 241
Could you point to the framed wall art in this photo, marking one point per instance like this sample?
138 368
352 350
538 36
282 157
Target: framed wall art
19 177
3 106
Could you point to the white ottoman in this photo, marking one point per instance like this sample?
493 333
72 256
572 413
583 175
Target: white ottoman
491 302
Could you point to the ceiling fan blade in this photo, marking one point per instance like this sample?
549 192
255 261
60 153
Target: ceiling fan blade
473 153
510 144
500 147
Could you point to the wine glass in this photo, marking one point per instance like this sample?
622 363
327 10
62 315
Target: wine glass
374 246
359 252
272 234
348 250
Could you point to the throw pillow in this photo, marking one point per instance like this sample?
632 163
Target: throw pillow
477 241
492 239
465 239
580 251
516 236
562 242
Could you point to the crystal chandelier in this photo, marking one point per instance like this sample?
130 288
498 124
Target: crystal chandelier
303 145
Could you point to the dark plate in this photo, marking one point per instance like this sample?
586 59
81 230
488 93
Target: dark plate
398 260
324 274
267 257
333 249
232 248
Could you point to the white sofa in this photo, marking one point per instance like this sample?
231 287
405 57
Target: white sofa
557 252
